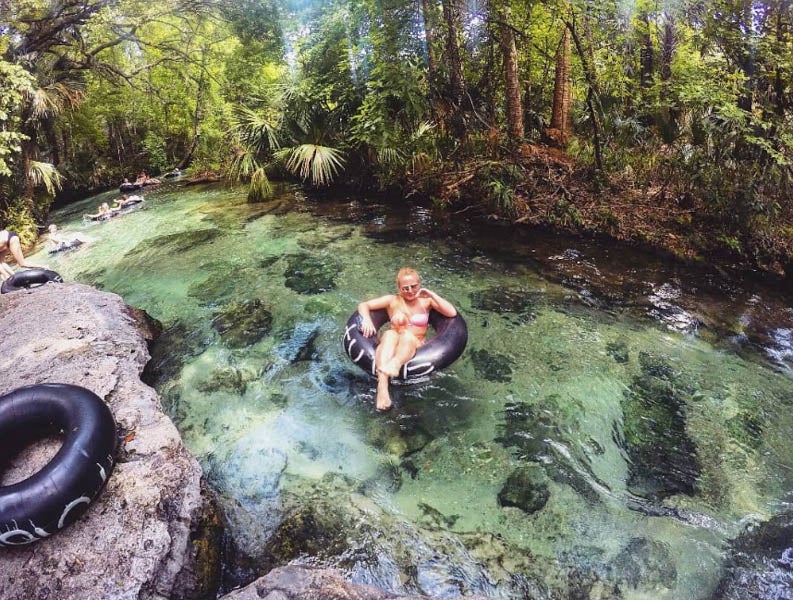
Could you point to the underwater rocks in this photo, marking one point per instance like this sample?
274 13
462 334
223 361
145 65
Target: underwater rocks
170 245
491 366
663 458
242 323
216 288
176 345
528 431
520 303
300 345
526 489
226 379
760 563
309 274
309 583
644 562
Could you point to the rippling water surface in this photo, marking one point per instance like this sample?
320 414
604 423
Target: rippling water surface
613 423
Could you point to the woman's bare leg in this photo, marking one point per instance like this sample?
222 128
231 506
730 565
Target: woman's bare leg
404 351
383 398
383 353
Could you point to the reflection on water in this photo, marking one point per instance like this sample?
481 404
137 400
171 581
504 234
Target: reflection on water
612 424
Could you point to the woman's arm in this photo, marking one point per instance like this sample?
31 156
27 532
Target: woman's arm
442 305
367 327
16 251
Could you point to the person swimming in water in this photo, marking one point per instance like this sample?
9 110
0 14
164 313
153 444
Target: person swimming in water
409 312
60 243
11 244
103 212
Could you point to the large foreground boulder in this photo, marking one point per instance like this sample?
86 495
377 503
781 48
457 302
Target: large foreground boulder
138 538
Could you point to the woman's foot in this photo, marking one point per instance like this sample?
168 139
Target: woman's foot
383 399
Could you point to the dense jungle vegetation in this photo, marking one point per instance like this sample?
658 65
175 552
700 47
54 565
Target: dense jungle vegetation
666 123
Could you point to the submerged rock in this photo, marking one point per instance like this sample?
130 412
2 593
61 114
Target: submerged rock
171 350
309 583
526 489
242 323
501 300
309 274
141 538
663 458
529 430
227 379
760 562
492 366
645 562
170 244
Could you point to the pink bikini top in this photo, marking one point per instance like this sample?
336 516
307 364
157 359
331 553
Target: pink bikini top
417 320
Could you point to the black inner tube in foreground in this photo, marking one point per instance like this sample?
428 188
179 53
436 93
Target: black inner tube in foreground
29 278
60 492
451 336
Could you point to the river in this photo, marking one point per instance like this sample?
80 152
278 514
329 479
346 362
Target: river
614 422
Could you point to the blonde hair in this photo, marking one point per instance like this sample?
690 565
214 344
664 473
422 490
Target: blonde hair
406 271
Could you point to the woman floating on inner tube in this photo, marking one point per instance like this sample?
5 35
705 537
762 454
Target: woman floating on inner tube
58 243
409 311
10 244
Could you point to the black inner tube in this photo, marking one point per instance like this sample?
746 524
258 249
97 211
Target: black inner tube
446 346
61 491
29 278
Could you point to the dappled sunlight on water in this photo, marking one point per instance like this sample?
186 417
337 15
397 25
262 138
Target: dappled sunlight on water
605 432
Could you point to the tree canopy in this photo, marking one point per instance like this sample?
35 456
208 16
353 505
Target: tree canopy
688 99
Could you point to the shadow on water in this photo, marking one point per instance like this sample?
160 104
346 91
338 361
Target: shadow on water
611 428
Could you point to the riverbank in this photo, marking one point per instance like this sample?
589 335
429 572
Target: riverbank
146 535
546 188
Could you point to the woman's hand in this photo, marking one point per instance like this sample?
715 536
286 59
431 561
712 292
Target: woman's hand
367 327
425 293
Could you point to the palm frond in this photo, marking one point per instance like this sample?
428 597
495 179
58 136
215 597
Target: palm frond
390 156
423 128
243 165
260 188
320 163
257 130
41 173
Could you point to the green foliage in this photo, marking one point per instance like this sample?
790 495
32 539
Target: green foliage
501 180
320 164
18 216
15 83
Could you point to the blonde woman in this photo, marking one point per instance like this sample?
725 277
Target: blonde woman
408 311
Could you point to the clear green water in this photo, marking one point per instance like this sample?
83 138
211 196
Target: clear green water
551 378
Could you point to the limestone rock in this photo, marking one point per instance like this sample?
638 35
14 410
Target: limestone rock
135 539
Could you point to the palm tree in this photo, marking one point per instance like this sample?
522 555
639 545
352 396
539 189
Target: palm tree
300 138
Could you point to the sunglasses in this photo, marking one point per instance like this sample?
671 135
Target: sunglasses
407 288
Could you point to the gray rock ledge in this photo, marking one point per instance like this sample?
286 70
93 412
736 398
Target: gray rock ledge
135 539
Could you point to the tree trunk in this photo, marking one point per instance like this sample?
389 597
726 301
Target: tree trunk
667 48
562 115
198 114
456 89
648 61
429 39
593 96
514 108
451 16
